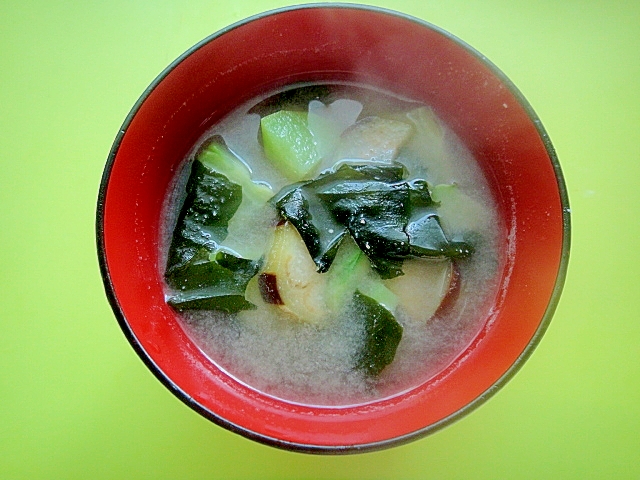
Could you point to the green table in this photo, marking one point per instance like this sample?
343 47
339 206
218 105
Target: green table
76 401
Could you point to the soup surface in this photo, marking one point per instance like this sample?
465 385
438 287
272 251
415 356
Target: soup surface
331 244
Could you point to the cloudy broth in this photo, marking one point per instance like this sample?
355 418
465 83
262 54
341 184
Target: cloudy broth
306 363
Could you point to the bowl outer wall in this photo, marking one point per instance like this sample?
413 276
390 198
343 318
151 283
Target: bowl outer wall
334 43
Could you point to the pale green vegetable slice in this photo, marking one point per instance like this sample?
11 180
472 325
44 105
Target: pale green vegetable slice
377 290
458 212
253 209
351 271
218 157
289 144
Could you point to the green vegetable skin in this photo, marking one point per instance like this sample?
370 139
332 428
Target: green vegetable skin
289 278
217 157
352 271
289 144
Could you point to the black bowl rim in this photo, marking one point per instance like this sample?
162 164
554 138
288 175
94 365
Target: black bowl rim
343 449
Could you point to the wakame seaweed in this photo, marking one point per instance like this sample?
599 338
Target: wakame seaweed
210 202
390 218
382 335
216 283
205 277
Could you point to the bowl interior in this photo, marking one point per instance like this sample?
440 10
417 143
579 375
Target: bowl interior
334 43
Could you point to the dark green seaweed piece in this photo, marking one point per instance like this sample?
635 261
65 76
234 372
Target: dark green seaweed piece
392 172
382 335
427 239
211 298
386 267
243 269
215 282
419 195
210 202
316 225
389 218
375 214
321 229
205 276
198 272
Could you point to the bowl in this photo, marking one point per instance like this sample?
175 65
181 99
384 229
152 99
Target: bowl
335 43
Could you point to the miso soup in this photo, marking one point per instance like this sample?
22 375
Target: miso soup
331 244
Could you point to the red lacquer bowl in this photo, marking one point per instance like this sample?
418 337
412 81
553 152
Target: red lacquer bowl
331 42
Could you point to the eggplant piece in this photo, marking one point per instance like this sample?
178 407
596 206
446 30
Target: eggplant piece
374 138
428 286
268 286
289 278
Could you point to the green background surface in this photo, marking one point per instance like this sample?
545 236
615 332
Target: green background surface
76 401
